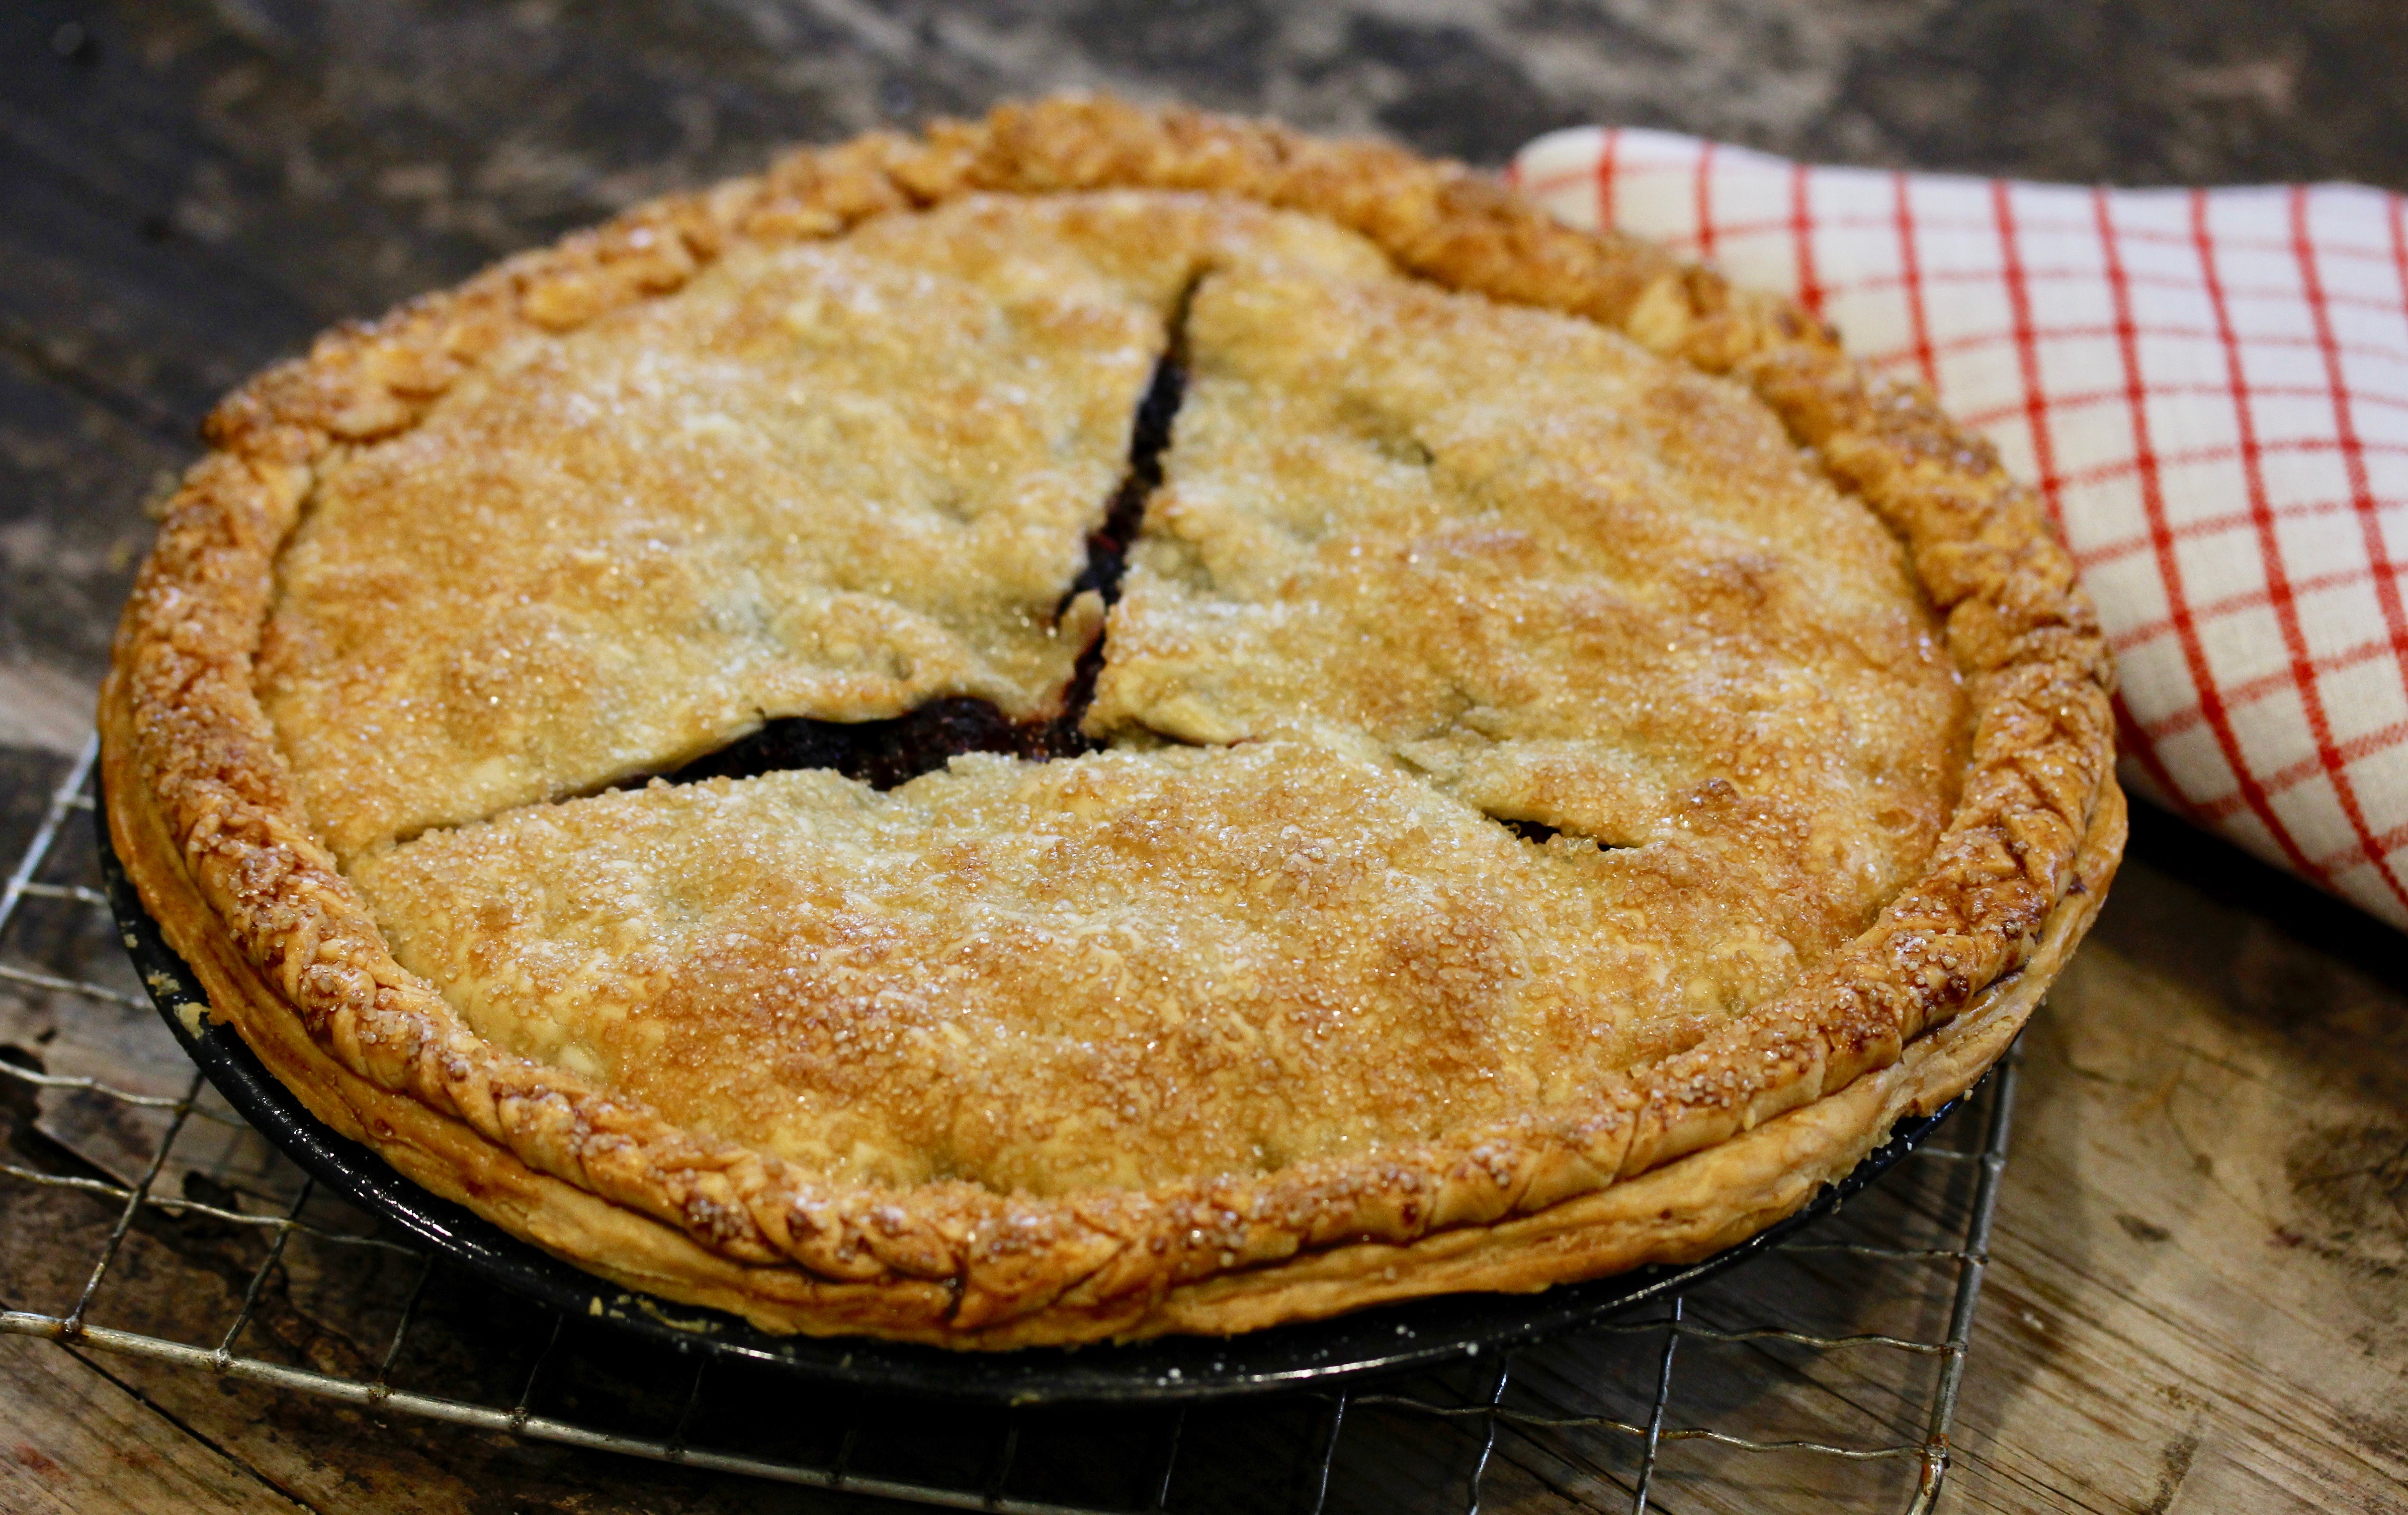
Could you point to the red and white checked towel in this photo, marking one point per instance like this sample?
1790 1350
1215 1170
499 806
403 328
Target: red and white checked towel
2209 388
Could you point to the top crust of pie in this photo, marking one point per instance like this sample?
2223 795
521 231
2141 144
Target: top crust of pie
1465 519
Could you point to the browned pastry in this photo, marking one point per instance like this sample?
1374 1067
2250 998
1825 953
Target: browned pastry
1108 723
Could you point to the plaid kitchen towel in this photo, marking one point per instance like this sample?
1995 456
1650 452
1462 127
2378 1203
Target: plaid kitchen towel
2209 388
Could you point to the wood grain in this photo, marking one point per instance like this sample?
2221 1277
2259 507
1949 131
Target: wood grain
2199 1300
75 1442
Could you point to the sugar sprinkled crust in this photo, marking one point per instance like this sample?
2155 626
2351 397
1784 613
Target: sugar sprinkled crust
1417 563
219 834
1113 972
1567 581
836 477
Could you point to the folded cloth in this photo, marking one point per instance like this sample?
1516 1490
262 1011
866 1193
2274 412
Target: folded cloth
2209 388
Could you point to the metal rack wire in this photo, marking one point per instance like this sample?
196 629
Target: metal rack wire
1838 1357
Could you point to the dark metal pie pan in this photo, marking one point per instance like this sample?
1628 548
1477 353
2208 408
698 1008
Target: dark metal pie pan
1422 1333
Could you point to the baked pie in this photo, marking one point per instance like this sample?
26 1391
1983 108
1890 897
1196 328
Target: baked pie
1108 723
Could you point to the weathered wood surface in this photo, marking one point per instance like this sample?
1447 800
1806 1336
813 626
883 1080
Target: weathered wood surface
2198 1301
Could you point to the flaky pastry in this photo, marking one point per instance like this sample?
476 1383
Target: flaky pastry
1106 723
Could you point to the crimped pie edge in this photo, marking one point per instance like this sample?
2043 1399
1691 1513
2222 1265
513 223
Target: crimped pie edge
200 795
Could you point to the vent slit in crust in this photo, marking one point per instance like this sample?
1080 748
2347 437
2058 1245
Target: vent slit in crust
1530 830
886 752
1108 545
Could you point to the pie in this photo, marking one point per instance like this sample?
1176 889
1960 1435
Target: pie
1106 723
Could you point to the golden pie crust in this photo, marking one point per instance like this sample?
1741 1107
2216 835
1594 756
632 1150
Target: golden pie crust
1574 757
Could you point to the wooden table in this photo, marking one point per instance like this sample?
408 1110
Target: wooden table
2201 1261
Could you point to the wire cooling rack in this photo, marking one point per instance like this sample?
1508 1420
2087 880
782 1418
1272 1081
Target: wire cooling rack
1824 1374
